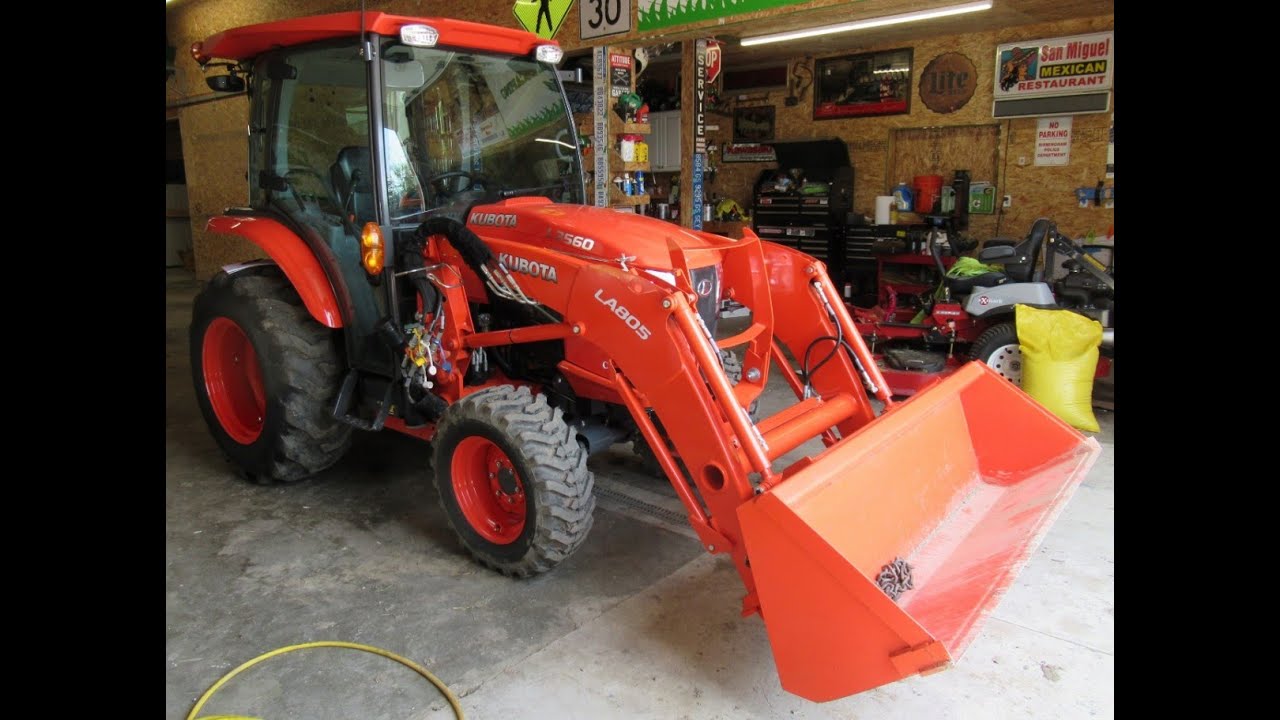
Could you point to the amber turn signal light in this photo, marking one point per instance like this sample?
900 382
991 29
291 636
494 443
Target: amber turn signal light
372 253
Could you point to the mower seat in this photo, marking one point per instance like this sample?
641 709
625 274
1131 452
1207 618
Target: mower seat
353 182
965 285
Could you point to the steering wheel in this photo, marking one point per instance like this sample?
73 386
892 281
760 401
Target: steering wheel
324 183
472 179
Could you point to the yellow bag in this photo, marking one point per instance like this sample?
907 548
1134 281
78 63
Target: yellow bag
1059 359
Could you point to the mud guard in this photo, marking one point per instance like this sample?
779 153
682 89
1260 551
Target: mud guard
293 257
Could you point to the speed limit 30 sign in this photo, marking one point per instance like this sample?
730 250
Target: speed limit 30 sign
604 17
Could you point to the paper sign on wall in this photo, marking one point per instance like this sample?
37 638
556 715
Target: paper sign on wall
1053 140
619 74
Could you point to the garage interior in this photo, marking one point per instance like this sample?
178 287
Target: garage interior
641 620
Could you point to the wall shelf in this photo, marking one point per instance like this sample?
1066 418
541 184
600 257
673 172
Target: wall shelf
615 160
617 199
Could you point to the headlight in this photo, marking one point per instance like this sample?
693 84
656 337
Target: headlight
549 54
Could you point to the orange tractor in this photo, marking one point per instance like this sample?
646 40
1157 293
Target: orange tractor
416 187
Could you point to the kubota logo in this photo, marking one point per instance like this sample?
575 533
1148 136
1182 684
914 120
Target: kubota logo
621 311
493 219
528 267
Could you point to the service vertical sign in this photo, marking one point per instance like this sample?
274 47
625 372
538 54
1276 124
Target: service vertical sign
699 129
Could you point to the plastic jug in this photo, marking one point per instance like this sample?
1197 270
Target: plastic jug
903 195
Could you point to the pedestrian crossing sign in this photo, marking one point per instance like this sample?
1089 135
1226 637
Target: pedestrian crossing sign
541 17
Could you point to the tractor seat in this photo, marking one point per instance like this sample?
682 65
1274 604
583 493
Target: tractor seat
353 182
965 285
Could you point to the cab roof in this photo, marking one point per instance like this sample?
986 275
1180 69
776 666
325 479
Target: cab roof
246 42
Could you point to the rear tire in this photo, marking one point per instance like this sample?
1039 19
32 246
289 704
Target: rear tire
997 347
513 480
265 375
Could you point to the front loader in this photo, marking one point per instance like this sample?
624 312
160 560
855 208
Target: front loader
429 266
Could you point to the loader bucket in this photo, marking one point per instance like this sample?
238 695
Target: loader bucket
961 481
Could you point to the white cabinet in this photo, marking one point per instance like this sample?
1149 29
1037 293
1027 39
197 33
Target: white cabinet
664 141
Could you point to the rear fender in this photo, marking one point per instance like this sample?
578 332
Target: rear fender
293 257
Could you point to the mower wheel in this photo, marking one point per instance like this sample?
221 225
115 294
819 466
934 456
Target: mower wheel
265 375
513 480
997 346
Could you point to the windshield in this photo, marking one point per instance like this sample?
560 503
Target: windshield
462 127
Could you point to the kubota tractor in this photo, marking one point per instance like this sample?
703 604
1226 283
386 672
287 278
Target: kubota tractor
416 189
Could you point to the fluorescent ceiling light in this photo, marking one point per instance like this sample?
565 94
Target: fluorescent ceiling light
869 23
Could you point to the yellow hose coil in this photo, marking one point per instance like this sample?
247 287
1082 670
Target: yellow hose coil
444 689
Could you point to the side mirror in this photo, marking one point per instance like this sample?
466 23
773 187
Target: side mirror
995 253
225 83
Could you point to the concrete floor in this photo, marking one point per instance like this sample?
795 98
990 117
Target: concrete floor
640 623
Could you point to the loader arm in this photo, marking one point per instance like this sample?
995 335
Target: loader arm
947 493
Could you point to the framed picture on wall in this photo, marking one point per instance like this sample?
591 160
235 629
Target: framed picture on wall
753 124
864 85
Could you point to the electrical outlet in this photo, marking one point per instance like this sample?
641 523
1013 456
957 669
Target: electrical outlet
1008 201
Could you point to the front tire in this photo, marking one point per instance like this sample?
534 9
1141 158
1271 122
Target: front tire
998 348
265 375
513 480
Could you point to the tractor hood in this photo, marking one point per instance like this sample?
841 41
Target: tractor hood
584 231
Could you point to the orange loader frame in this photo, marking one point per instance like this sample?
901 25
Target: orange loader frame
953 480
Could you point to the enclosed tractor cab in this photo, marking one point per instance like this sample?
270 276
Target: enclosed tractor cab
427 265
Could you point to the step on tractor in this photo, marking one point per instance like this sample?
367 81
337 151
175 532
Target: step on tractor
427 264
971 318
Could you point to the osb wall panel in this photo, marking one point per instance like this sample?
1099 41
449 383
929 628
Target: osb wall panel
1037 191
943 150
215 150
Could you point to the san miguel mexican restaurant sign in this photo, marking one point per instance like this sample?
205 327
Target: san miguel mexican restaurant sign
1057 66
